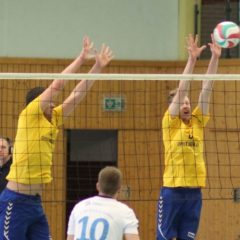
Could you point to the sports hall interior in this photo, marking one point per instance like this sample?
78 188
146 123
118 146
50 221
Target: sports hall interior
139 149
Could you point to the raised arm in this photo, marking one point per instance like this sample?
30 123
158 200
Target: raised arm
193 53
57 85
207 85
79 92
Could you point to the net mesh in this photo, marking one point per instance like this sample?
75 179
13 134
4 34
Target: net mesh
122 119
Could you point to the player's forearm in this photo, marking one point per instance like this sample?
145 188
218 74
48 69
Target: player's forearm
96 68
190 65
204 97
58 84
178 99
74 66
205 94
207 85
183 89
77 95
185 84
213 65
81 89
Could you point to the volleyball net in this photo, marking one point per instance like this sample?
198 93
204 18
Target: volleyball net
132 107
119 122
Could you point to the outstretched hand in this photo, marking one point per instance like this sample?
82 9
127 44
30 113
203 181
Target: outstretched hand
87 48
192 46
104 56
215 48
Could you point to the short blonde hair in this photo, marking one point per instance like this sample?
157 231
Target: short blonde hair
110 180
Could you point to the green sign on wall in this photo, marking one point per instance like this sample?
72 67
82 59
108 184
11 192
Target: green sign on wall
114 104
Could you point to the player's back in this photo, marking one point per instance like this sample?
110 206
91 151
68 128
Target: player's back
102 218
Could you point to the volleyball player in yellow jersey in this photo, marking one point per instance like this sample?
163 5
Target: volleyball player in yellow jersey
21 212
180 200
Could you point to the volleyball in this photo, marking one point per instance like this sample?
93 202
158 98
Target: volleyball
227 34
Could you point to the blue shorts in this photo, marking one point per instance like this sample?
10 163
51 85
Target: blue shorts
179 212
22 217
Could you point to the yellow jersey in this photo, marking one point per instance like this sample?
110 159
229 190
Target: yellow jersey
34 144
184 162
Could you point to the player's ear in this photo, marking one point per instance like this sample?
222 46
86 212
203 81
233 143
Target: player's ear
97 186
10 146
10 150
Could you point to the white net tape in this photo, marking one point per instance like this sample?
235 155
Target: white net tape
110 76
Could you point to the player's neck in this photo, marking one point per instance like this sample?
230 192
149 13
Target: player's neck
105 195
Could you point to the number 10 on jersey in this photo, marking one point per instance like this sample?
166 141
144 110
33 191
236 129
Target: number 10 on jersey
99 226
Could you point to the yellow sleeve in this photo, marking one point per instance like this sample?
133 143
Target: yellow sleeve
169 121
57 117
33 108
199 118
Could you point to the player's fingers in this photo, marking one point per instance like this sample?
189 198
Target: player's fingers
106 50
102 48
110 55
196 39
202 47
210 45
189 39
91 44
213 40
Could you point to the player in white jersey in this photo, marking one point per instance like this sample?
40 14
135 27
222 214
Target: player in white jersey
103 217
